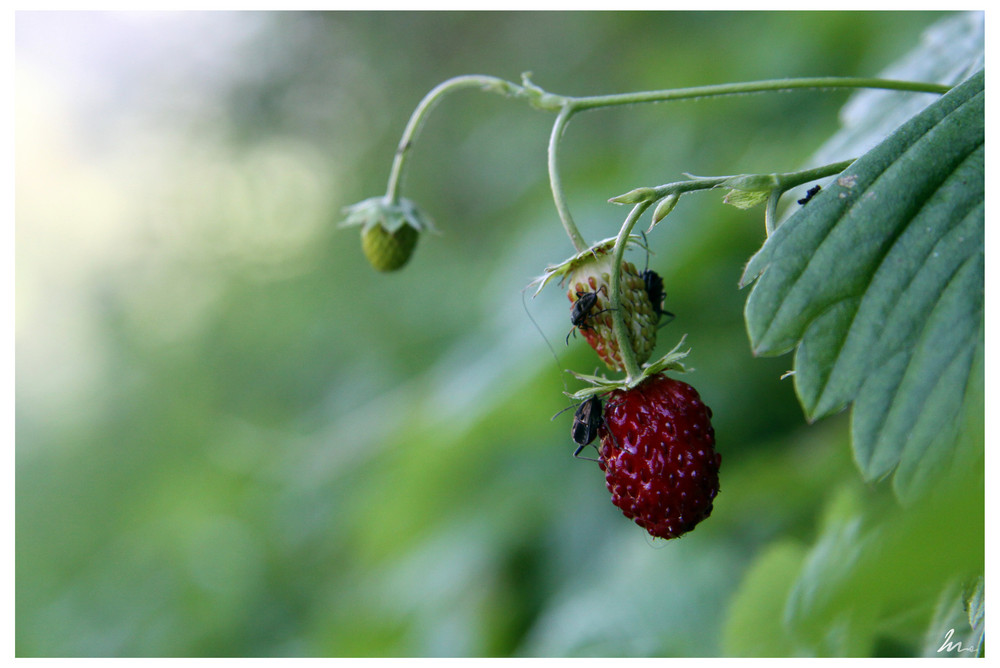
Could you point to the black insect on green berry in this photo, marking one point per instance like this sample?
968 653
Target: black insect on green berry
581 311
654 288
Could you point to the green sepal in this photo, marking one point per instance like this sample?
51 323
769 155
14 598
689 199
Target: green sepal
746 199
764 183
388 214
601 385
568 265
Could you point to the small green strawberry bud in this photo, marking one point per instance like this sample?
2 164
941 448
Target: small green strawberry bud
665 206
388 251
389 230
635 196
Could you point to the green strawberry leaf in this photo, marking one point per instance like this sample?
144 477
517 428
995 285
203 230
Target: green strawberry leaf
975 605
952 631
878 285
876 564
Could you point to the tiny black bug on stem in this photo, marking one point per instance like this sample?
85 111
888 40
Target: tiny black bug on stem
809 195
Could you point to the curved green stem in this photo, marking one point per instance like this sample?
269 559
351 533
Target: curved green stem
598 101
776 184
566 106
486 83
556 184
632 368
569 105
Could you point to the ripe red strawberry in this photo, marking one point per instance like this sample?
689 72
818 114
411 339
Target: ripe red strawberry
658 455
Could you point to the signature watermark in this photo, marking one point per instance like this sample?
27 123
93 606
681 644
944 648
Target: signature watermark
949 646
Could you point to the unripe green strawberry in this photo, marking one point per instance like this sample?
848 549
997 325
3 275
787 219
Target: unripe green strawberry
389 229
388 251
590 281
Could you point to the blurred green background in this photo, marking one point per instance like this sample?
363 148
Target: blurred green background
235 438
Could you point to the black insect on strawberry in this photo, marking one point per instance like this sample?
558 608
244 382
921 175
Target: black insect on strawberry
580 313
587 277
654 288
587 420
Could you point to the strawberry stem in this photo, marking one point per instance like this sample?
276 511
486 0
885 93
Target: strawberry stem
566 106
772 185
419 115
826 83
632 368
579 243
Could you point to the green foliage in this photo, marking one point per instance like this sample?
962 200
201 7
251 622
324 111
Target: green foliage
957 627
754 623
878 281
878 285
871 575
234 438
876 564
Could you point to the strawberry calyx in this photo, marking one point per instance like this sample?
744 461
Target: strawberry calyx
387 214
599 385
600 250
